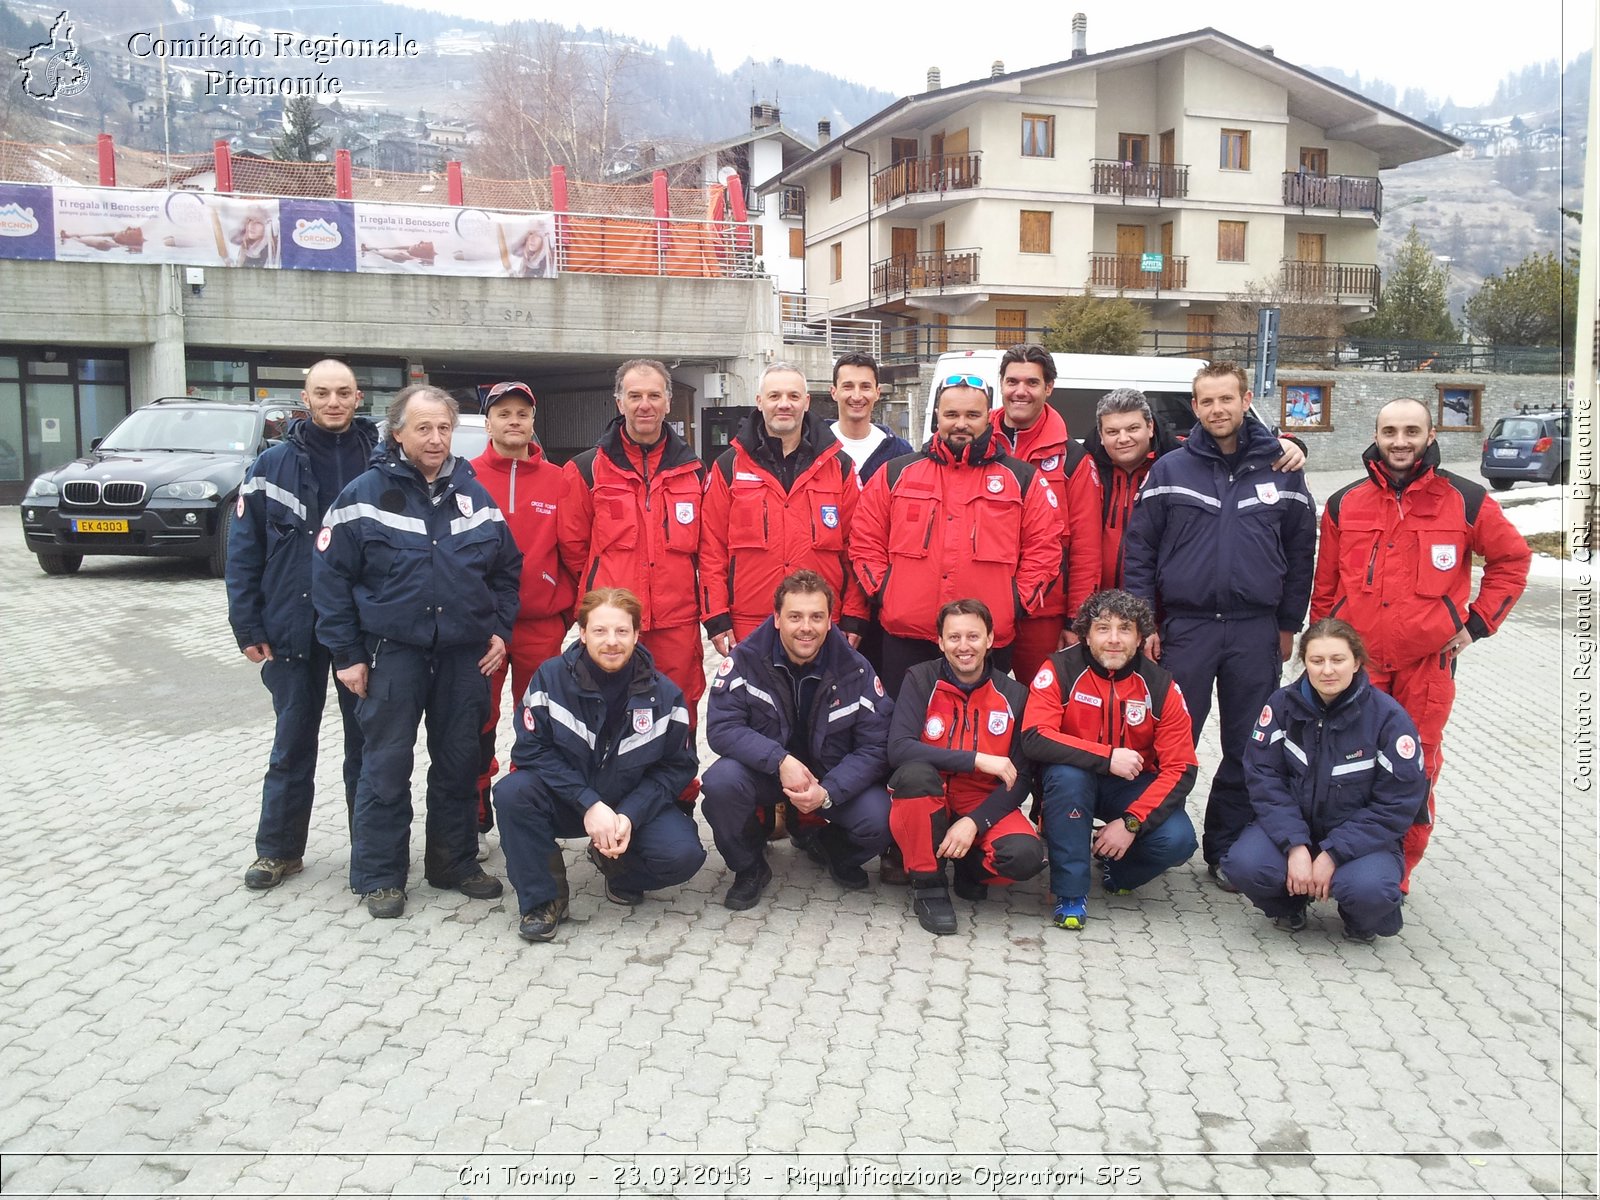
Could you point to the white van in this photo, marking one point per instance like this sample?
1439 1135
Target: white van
1081 379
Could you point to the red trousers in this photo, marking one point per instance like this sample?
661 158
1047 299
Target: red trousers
532 641
1426 689
920 813
1037 639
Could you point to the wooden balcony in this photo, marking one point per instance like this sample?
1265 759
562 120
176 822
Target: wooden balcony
1123 272
1358 194
791 201
1143 181
932 174
1331 280
924 272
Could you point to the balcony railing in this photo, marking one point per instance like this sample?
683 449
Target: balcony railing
1331 280
1145 181
792 202
935 173
1125 272
924 271
1342 193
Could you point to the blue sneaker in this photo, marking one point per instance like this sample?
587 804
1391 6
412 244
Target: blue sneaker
1071 912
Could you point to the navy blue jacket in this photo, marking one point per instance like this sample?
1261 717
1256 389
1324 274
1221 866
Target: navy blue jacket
891 448
275 521
395 563
1204 541
561 736
1345 778
751 713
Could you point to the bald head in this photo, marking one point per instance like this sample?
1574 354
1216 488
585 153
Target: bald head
331 395
1403 434
1411 412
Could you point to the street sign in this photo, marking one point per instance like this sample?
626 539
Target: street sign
1267 356
1150 262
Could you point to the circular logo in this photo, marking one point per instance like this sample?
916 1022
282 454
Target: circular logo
325 538
1266 714
1044 678
934 728
1406 746
527 719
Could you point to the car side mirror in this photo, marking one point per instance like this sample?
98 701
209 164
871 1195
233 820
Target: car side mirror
95 443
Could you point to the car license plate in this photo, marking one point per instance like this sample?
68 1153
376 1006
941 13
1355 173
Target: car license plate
1505 451
86 525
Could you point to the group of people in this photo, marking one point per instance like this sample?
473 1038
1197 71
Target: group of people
913 643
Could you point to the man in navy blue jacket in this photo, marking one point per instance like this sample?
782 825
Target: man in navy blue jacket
1223 546
280 507
416 588
800 719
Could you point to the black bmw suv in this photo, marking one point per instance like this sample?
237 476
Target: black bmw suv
163 482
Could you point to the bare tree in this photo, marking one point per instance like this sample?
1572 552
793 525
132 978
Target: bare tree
1310 327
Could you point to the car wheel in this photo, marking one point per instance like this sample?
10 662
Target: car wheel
217 560
52 563
1501 485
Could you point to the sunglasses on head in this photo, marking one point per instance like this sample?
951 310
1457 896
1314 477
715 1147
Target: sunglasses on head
500 389
971 381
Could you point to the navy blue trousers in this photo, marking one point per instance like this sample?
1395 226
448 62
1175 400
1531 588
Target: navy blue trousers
730 793
299 688
1073 798
1366 889
1240 657
445 690
663 852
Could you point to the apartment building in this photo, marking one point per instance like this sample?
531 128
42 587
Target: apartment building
1179 172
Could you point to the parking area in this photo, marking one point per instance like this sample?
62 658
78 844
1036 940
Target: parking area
164 1031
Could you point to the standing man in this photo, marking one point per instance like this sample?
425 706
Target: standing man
1223 544
955 743
855 390
1038 435
798 718
281 505
1111 733
527 489
415 584
781 498
1396 563
961 519
630 518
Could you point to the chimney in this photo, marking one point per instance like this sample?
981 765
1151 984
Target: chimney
824 132
763 115
1268 51
1080 32
996 69
933 79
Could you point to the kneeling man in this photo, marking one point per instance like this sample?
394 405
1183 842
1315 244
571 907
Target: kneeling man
1110 730
955 743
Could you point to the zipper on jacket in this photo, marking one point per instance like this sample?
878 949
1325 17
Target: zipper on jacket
513 505
1372 562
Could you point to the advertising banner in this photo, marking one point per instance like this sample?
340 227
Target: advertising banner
27 222
454 241
196 229
318 235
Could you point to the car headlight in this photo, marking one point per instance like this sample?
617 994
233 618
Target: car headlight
41 487
194 489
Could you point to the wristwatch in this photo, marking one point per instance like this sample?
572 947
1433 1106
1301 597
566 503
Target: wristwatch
1131 822
827 800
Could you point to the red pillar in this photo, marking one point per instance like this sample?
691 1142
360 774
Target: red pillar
663 208
744 250
344 183
458 191
107 151
558 205
224 161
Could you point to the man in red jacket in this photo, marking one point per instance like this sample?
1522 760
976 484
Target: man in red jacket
1111 733
1395 560
961 518
1038 435
780 499
630 518
527 487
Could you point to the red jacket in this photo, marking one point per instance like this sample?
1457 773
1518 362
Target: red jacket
1078 713
937 526
1398 565
1072 474
630 518
753 533
528 491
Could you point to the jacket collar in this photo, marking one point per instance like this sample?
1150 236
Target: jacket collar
1255 439
1372 459
765 645
989 446
1130 668
815 438
491 459
1162 443
1049 430
583 671
614 444
1303 698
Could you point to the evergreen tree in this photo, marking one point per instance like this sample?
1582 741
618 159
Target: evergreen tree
1094 325
1534 303
1415 304
300 141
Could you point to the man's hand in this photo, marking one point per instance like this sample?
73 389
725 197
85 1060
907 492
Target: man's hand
1068 638
260 652
958 839
1285 644
354 678
1453 647
854 639
1322 876
794 775
998 765
1113 839
1125 763
1297 880
495 658
1152 647
601 822
623 838
723 643
807 799
1292 459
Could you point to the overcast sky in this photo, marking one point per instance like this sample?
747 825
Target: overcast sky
1459 50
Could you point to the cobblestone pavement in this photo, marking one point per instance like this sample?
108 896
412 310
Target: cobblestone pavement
163 1031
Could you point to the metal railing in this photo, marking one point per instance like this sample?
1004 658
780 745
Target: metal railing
935 173
1125 272
924 271
1303 277
596 244
1343 193
1145 181
792 201
804 321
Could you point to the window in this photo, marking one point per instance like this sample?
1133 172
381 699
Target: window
1305 406
756 242
1235 150
836 256
797 243
1133 148
1459 407
835 181
1010 327
1038 136
1230 240
1034 232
